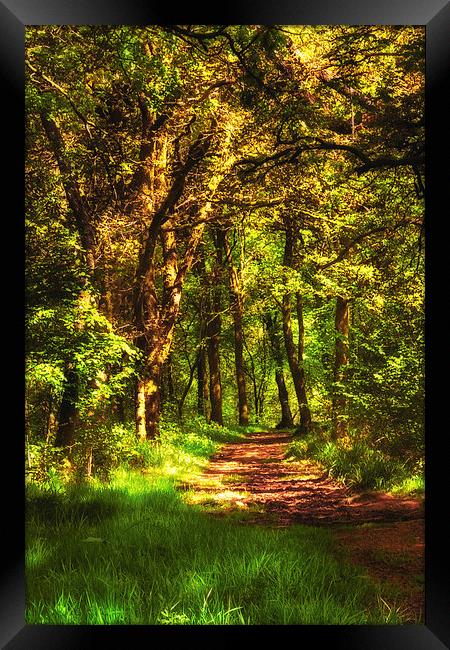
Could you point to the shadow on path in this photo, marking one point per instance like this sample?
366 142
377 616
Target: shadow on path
376 530
254 474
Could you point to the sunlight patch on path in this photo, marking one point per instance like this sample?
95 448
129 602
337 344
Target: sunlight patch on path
255 474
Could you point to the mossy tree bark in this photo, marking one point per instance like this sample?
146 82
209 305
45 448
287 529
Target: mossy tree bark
155 316
157 330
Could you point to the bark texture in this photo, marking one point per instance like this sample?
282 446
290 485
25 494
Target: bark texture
213 330
342 320
155 315
237 310
293 354
286 421
68 412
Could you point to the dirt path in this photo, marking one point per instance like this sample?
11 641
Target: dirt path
383 533
252 473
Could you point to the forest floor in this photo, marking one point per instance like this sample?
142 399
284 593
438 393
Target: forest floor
384 534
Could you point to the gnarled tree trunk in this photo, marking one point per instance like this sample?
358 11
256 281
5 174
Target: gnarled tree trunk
155 318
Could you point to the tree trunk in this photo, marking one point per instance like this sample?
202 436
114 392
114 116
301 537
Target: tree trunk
140 410
68 412
297 371
286 415
341 361
118 409
167 385
287 421
240 374
215 384
202 378
85 225
255 389
50 420
202 394
152 390
154 319
213 331
187 388
301 327
238 313
156 323
295 360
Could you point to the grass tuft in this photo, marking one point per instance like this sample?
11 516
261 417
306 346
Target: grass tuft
132 552
356 463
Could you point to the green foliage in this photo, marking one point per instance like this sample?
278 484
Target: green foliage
359 465
409 485
389 401
133 553
303 448
189 445
293 106
316 133
45 378
75 334
102 446
46 466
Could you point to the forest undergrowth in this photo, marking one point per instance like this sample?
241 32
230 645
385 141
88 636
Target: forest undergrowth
130 551
224 226
354 462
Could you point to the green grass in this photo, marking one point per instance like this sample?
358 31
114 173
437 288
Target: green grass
410 485
134 553
131 551
359 465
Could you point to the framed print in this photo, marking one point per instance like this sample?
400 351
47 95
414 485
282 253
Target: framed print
231 332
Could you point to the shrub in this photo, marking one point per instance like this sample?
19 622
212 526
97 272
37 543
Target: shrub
307 446
300 449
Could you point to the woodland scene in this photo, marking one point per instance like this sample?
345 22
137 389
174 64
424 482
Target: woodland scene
224 395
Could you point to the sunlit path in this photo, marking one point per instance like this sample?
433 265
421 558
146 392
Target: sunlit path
254 474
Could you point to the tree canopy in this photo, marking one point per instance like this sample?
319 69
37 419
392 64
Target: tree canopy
224 221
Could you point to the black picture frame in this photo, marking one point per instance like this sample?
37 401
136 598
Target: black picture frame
435 16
